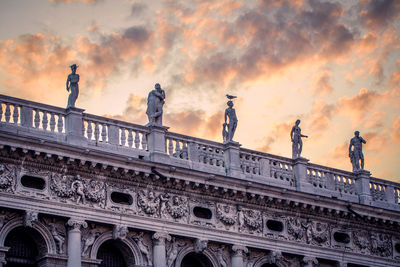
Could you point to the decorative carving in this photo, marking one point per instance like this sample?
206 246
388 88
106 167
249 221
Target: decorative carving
226 214
173 251
239 250
220 256
309 261
120 232
307 225
30 217
320 233
67 187
89 237
177 207
7 175
295 229
149 204
361 240
253 220
200 245
59 237
76 223
381 244
144 248
160 237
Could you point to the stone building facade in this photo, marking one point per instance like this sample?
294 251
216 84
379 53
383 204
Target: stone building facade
83 190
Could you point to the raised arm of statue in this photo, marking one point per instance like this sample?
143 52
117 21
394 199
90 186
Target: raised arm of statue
362 140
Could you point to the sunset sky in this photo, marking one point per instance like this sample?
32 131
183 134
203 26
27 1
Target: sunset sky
333 64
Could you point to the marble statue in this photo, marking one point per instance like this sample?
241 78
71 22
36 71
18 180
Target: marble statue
230 114
356 154
155 102
297 143
58 238
72 83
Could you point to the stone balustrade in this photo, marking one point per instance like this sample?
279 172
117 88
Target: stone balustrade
76 128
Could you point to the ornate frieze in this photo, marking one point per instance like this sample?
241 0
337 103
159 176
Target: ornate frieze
7 177
227 216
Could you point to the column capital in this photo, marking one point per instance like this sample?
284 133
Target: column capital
160 237
309 261
238 250
77 223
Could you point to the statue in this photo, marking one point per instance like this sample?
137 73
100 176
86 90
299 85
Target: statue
297 143
356 154
232 124
77 188
155 102
72 83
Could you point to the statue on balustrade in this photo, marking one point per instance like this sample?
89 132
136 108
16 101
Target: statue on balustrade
355 152
72 84
230 114
155 102
297 143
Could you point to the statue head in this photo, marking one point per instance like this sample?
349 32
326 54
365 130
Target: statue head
229 103
73 67
157 86
357 133
298 122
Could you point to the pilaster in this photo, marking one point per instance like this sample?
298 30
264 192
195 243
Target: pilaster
159 255
156 142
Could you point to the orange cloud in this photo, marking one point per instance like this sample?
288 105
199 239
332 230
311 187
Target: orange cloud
396 130
322 83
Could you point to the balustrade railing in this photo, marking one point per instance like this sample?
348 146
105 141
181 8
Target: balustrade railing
30 118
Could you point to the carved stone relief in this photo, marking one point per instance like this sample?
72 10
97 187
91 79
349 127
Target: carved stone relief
381 244
148 203
227 217
209 205
58 231
175 207
200 245
120 232
173 249
249 221
144 243
7 177
361 241
30 217
272 233
78 190
89 235
309 231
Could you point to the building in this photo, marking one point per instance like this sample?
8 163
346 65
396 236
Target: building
83 190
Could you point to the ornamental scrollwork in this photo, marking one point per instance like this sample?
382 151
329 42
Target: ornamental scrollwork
226 214
381 244
7 175
177 207
250 220
149 203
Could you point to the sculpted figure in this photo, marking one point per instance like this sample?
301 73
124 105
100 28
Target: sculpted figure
230 114
89 241
77 187
297 143
155 102
58 238
172 252
220 256
356 154
143 247
72 83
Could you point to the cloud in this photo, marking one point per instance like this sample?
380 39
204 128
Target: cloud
71 1
320 116
377 14
396 131
279 131
322 83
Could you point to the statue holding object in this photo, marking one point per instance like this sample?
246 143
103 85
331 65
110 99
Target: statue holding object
155 102
356 154
72 84
297 143
230 114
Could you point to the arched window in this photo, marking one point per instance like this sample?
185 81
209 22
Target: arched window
23 250
196 260
112 253
269 265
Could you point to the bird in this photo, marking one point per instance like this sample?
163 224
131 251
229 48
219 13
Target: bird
230 96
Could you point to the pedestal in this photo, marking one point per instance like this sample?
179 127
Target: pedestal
156 142
73 126
232 159
74 242
300 173
362 187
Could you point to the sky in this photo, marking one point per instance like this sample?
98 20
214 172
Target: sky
335 65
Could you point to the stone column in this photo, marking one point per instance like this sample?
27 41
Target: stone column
159 255
237 255
74 242
156 142
3 251
300 173
362 187
232 159
74 126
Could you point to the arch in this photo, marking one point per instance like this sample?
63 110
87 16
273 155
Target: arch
266 260
207 252
131 245
49 245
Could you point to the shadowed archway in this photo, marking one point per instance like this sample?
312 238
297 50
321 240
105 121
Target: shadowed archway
196 260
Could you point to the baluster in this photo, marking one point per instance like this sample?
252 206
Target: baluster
1 111
185 151
178 149
104 133
144 141
15 114
45 121
8 113
60 124
137 139
96 131
170 147
52 122
37 118
130 138
89 130
123 137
